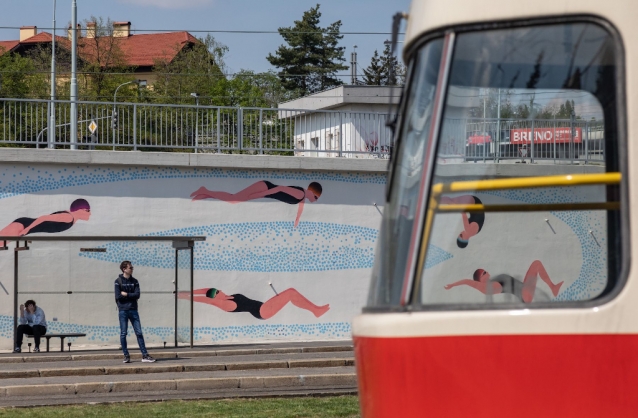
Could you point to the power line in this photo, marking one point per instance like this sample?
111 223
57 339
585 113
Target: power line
230 31
172 74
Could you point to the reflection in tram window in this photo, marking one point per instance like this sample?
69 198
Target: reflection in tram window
524 102
399 215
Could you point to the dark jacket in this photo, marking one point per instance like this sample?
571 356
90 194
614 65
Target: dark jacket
132 287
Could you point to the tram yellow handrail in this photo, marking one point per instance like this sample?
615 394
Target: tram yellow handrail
449 208
439 189
526 182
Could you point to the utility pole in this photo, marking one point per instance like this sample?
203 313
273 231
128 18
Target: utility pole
51 135
353 67
74 80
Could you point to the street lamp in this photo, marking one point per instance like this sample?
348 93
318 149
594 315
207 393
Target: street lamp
196 96
140 83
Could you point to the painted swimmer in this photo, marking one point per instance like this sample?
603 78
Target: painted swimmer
292 195
260 310
504 283
473 223
55 222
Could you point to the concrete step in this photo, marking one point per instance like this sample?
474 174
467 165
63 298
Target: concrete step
173 367
292 369
234 381
170 354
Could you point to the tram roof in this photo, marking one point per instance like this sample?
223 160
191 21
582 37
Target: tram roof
430 15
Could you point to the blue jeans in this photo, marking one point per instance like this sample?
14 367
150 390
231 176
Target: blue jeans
134 317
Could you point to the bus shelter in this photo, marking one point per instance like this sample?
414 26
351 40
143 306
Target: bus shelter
72 279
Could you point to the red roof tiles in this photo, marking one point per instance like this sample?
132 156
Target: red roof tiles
6 46
139 50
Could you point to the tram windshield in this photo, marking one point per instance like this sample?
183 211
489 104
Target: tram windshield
519 102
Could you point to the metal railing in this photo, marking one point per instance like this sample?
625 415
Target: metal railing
212 129
187 128
529 140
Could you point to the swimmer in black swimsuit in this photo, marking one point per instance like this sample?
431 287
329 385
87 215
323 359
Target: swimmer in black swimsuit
504 283
55 222
473 223
292 195
260 310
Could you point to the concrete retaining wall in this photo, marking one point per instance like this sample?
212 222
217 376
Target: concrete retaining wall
326 258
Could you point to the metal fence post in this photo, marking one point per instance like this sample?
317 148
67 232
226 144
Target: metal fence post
240 127
219 123
340 134
586 142
261 144
571 137
135 127
531 160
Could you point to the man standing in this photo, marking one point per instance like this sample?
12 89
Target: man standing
127 292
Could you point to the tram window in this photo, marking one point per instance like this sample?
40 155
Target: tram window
399 215
520 102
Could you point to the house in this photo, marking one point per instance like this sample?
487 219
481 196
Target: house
347 121
139 52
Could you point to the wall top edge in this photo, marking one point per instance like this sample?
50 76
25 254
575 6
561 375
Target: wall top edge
124 158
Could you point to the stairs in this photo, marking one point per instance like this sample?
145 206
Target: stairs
296 369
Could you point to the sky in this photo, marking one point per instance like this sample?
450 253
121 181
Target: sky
246 51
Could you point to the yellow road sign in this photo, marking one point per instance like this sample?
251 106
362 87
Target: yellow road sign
92 126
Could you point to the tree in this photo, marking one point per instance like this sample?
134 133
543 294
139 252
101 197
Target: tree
312 58
17 76
384 70
374 75
195 69
102 60
391 68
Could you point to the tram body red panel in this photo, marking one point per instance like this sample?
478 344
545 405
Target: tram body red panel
499 376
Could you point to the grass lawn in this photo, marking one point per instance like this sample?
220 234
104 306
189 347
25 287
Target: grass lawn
337 406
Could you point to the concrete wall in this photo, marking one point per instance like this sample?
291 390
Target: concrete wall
326 258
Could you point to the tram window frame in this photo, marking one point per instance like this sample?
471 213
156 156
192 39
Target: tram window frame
617 129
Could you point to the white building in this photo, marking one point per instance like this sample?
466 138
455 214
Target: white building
348 121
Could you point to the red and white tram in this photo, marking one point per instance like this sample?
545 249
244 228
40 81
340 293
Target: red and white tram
503 289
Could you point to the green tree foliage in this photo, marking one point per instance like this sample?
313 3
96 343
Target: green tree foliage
18 78
489 100
374 75
249 89
384 70
312 57
196 69
40 56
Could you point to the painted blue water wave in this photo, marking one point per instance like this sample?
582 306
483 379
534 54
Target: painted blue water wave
18 180
256 247
110 334
436 255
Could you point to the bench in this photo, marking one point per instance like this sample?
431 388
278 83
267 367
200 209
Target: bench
60 336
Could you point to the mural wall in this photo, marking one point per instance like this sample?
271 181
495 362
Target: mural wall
518 257
287 254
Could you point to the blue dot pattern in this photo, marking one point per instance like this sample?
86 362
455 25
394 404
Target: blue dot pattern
111 334
16 180
311 246
593 273
436 255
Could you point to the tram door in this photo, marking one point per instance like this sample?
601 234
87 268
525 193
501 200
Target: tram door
183 290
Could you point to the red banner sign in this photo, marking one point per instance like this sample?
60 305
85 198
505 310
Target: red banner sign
545 135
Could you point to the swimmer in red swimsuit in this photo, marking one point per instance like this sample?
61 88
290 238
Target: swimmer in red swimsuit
504 283
260 310
293 195
55 222
473 223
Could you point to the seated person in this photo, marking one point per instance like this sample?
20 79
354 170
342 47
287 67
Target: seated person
32 322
